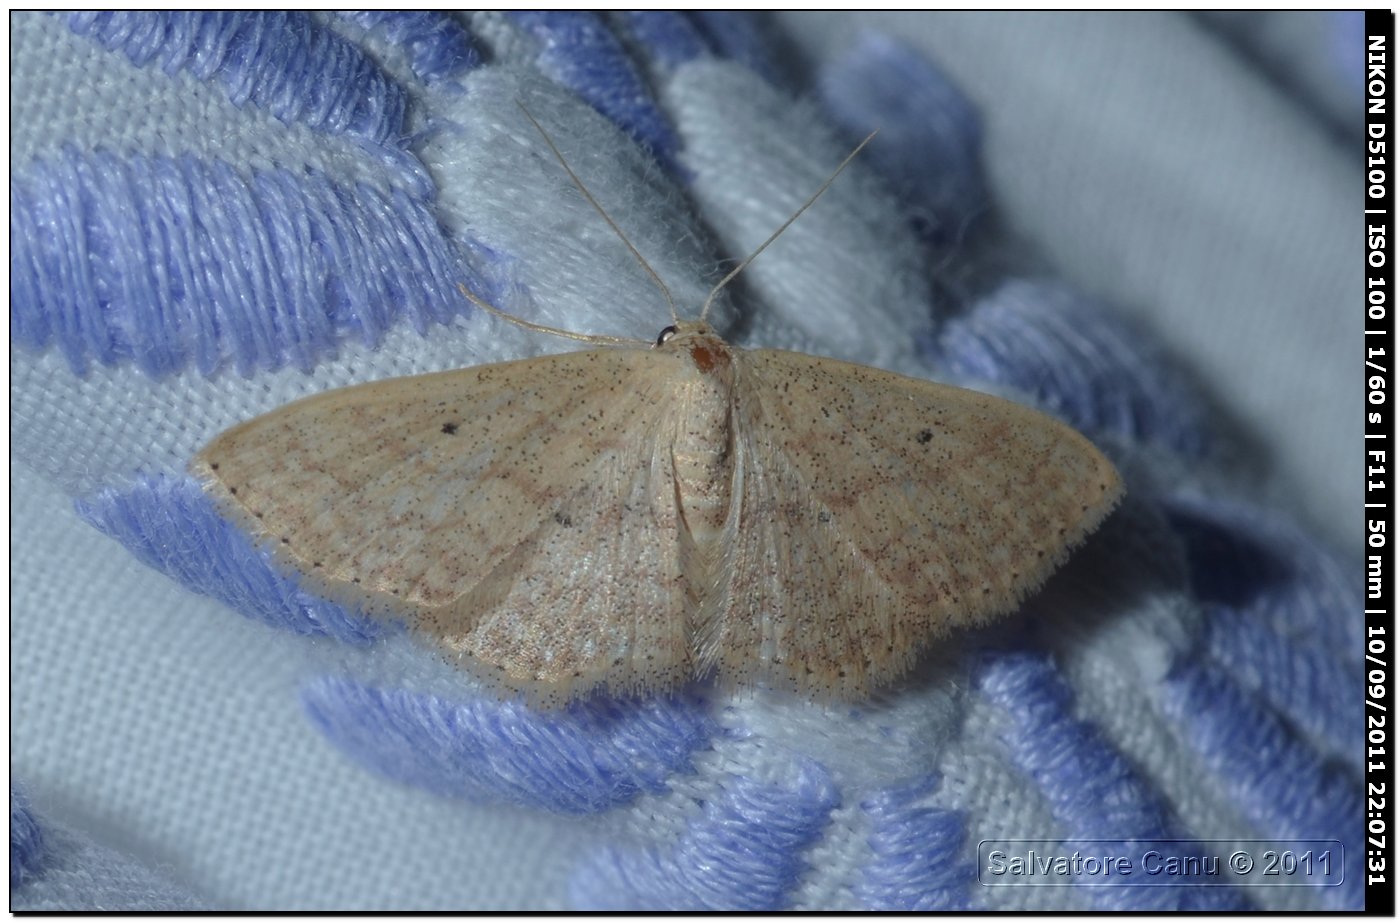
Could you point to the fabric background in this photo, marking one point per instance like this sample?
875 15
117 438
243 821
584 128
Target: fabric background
1154 162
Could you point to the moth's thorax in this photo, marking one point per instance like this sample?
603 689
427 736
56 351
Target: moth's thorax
703 444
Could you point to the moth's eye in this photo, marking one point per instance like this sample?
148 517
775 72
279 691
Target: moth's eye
665 335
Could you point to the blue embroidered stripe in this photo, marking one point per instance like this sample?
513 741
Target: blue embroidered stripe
27 850
282 62
930 143
579 51
170 524
1246 559
1078 361
595 756
739 36
920 856
670 38
438 46
1092 790
1288 790
168 261
743 852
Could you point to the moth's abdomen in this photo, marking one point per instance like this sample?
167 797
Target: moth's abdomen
702 447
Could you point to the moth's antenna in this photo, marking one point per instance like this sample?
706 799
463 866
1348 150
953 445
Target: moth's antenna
541 328
754 255
670 302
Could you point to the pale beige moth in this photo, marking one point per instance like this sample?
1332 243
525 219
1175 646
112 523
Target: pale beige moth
641 515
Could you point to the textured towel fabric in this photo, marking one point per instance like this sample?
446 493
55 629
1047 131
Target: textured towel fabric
213 214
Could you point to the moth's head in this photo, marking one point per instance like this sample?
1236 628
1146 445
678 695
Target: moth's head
678 334
697 338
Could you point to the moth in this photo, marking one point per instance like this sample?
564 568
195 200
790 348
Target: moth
632 517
